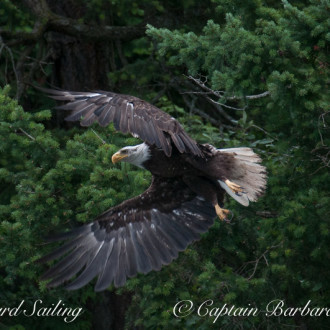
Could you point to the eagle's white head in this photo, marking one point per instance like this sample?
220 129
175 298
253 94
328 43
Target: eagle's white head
135 155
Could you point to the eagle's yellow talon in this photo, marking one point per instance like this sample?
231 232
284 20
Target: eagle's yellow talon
234 187
221 213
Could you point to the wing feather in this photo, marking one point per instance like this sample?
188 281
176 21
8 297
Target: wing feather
120 274
129 114
123 125
137 236
143 262
104 280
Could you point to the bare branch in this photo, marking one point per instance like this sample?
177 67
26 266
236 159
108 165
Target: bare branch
73 28
262 130
49 21
4 46
218 107
256 262
322 117
322 151
267 214
200 112
222 94
202 85
103 142
225 105
324 159
221 111
27 134
249 97
25 38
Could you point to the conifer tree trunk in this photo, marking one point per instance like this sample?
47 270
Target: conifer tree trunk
109 312
79 64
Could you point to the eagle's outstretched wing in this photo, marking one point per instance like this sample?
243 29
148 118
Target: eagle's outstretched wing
129 114
139 235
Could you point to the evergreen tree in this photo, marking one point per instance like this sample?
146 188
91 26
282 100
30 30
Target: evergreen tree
257 75
271 62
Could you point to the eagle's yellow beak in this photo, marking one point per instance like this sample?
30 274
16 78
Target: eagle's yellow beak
117 157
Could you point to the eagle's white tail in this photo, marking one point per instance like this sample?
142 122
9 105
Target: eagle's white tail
248 173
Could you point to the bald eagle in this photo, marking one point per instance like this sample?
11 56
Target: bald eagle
185 196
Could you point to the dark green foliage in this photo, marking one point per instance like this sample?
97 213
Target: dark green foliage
51 181
54 179
259 259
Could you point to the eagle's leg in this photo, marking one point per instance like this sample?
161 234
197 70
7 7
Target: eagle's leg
237 189
208 190
221 213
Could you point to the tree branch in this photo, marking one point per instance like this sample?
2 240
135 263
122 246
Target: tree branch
225 105
49 21
267 214
201 113
27 134
217 107
249 97
4 46
221 94
256 262
103 142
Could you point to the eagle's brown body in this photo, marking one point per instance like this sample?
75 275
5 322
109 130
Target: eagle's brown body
215 165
